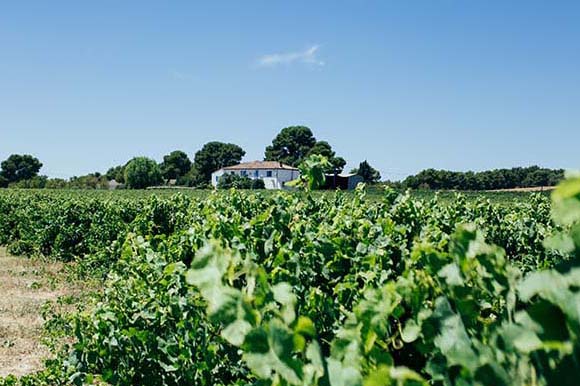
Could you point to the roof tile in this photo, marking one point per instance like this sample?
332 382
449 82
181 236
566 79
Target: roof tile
260 165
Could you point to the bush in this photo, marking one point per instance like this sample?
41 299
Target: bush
228 181
142 172
56 183
37 182
486 180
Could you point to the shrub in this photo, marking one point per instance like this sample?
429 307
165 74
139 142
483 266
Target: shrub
142 172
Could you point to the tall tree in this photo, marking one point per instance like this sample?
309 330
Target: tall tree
214 156
175 164
485 180
291 145
367 172
20 167
142 172
323 148
116 173
90 181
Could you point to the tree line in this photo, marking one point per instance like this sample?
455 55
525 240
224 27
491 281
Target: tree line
291 146
518 177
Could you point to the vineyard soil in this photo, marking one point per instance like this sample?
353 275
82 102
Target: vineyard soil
26 286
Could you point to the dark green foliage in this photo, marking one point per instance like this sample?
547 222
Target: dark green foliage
193 179
293 144
487 180
36 182
54 225
324 149
230 180
175 165
213 156
19 167
116 173
90 181
142 172
56 183
367 172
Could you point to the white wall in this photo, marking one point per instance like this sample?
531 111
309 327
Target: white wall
215 177
276 181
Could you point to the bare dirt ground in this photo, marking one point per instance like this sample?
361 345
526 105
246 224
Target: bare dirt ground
25 286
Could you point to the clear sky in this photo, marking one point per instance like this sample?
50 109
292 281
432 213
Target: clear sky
406 84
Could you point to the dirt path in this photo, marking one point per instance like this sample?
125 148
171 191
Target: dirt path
25 286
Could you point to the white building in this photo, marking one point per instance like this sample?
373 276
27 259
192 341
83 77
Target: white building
274 173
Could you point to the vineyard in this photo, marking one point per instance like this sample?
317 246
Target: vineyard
243 288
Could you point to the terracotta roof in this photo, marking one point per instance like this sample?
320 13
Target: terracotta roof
344 175
260 165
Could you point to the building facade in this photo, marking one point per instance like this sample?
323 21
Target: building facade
274 174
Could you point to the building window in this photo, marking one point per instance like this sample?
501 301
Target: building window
244 173
256 173
269 173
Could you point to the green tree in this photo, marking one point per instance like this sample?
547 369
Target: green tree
294 143
367 172
142 172
116 173
175 165
324 149
485 180
291 145
90 181
191 178
20 167
56 183
214 156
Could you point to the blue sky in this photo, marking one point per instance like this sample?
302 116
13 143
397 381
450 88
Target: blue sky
405 84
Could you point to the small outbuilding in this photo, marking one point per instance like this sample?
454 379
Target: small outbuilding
342 181
113 184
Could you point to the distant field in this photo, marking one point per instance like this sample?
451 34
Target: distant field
529 189
375 193
497 197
